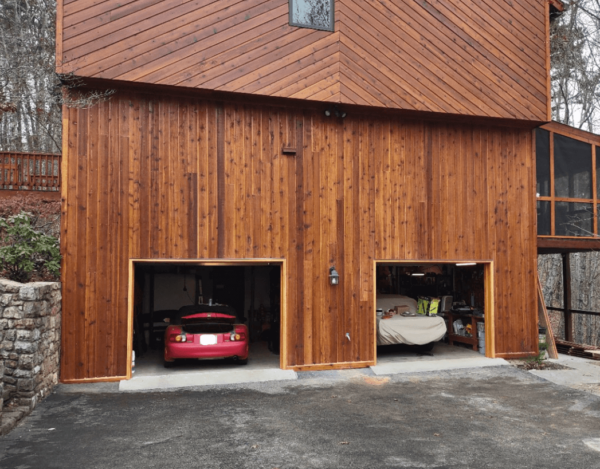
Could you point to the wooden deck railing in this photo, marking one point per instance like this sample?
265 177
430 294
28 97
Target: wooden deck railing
30 171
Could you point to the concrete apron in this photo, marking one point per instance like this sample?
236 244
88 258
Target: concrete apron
150 373
436 365
582 371
205 378
265 368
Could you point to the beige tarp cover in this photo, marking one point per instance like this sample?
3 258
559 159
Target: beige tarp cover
386 302
418 330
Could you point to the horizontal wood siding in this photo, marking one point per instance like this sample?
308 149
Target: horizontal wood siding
154 177
477 57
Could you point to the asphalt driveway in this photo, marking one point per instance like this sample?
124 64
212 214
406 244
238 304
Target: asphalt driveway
485 418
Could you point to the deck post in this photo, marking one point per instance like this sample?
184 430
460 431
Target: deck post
566 263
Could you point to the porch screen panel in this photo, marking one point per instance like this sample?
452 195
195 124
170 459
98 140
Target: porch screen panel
598 171
572 168
574 219
543 217
542 152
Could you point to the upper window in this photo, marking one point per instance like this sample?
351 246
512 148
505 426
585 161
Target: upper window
568 185
572 168
315 14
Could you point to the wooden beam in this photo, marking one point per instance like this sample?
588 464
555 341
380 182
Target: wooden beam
566 261
572 132
551 245
552 189
557 4
545 322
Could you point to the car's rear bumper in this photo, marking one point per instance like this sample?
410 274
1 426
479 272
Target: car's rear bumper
193 350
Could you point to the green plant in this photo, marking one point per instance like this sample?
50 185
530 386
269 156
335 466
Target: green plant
24 250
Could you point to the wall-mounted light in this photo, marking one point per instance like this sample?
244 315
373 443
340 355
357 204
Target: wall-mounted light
464 264
417 274
335 111
334 277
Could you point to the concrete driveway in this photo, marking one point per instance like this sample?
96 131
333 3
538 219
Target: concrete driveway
484 418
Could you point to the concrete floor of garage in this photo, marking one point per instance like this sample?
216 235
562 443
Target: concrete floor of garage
264 366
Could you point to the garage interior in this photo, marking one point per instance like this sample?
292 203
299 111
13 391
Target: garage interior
253 291
457 290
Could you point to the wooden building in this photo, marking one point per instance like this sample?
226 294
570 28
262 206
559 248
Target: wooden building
383 132
568 201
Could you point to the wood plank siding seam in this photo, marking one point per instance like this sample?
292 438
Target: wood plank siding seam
483 58
190 179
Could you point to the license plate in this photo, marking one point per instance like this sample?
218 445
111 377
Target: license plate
208 339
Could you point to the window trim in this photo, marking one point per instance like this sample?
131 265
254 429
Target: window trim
318 28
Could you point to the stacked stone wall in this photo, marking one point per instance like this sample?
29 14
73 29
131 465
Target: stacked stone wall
30 316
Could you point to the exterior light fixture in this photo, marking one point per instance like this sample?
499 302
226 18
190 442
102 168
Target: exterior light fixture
334 277
463 264
335 111
418 274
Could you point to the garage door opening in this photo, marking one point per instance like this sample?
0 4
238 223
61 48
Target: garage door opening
202 317
433 310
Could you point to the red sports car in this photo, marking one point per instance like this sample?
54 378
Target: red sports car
205 333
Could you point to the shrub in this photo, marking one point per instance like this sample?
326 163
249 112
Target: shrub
23 250
44 212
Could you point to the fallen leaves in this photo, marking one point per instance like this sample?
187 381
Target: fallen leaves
375 381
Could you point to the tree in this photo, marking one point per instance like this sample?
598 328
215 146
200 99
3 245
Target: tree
575 71
31 93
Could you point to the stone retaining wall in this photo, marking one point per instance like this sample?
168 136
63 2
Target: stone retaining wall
30 316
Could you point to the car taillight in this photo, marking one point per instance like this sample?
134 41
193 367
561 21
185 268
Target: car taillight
235 337
173 333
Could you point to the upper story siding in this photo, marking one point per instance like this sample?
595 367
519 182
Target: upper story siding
467 57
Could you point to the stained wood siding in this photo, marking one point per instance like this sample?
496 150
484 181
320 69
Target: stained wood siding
476 57
142 181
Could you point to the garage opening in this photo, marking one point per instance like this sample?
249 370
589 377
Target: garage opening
437 310
193 317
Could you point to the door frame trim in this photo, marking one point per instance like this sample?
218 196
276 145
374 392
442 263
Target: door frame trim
211 263
488 286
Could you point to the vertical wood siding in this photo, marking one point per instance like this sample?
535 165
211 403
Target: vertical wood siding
475 57
159 177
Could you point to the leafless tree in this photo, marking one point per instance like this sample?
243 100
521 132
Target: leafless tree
31 93
575 47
